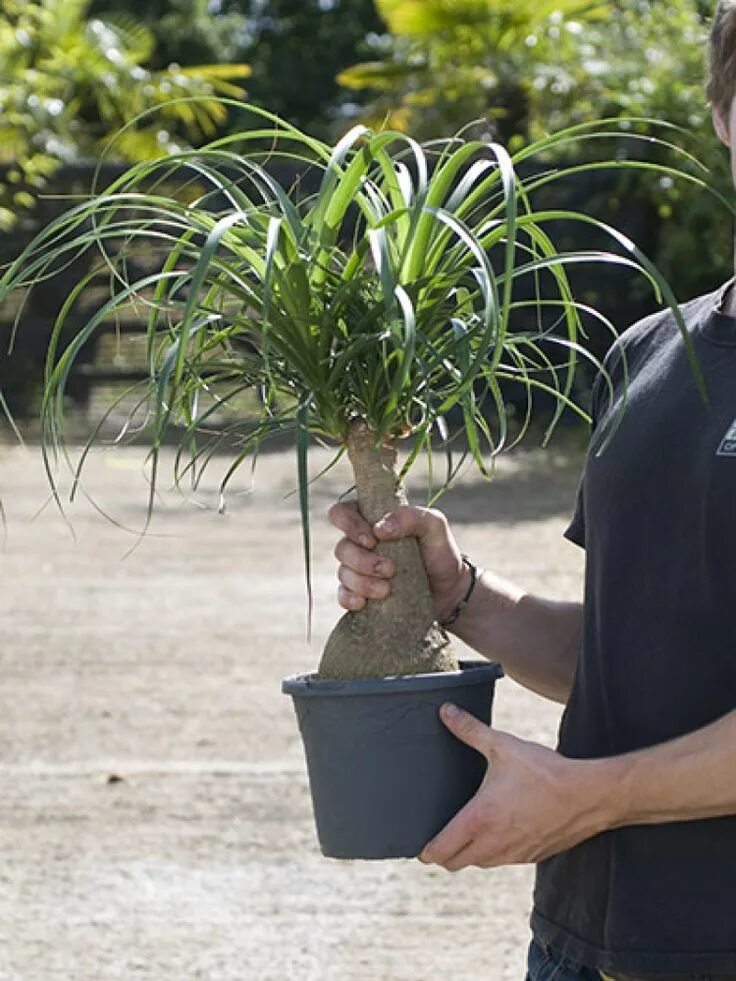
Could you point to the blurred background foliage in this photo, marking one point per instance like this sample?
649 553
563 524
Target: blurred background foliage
70 80
73 71
297 49
529 67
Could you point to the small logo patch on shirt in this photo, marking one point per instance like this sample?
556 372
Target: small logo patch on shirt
728 443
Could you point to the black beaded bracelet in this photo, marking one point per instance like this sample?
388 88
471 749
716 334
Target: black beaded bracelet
466 598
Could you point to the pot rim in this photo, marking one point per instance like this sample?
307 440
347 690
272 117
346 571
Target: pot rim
470 673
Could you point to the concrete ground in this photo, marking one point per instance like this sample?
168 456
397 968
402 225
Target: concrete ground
155 820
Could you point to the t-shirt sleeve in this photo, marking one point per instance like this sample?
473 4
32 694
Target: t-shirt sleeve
575 531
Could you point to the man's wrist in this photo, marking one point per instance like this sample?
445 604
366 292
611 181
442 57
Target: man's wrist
472 575
602 793
459 591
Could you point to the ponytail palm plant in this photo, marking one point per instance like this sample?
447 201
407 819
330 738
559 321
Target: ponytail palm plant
414 280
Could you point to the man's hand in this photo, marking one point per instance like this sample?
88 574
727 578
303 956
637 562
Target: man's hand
536 640
532 803
364 575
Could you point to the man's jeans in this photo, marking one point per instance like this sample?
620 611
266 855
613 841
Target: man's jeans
546 964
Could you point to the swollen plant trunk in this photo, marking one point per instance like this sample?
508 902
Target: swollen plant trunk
397 635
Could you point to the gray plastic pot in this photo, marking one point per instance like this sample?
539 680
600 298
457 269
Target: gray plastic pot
384 772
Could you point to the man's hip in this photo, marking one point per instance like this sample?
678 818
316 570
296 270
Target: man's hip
546 964
668 977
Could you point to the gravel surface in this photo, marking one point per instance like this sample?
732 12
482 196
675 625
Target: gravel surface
155 820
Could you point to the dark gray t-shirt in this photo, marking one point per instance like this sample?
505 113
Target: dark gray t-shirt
657 518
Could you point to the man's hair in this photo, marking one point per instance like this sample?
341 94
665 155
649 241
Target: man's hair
722 80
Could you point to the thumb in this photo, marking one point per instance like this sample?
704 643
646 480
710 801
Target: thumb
468 729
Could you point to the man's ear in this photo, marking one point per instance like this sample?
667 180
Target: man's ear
719 124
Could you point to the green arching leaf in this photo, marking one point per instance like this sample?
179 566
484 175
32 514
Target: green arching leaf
56 376
400 190
404 351
95 433
263 431
543 247
336 193
272 244
472 420
508 180
440 186
487 283
379 247
5 411
187 325
608 129
302 449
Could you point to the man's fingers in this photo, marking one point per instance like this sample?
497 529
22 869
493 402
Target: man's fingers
426 524
464 827
366 586
351 523
363 561
362 573
469 729
454 837
348 600
474 854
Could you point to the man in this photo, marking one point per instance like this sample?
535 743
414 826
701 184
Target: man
633 820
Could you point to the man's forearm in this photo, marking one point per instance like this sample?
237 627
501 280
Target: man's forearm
536 640
683 779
